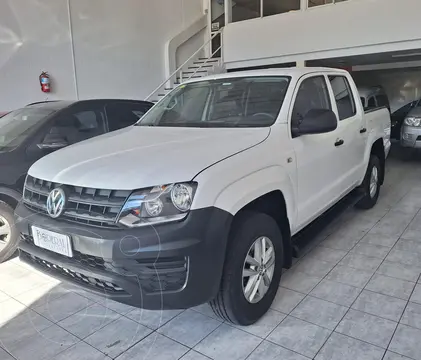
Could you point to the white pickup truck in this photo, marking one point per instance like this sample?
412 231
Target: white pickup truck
199 201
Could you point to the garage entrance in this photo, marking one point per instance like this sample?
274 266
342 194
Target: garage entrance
397 74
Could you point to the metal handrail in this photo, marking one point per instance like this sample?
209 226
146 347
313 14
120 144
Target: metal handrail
205 62
181 66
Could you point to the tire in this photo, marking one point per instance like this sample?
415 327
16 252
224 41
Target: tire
9 243
231 303
370 195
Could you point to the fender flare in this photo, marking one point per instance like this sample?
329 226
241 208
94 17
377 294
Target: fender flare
10 193
272 178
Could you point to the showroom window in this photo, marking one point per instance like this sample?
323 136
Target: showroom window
343 96
312 94
245 10
273 7
250 9
312 3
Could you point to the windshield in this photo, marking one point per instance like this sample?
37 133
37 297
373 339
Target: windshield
235 102
16 126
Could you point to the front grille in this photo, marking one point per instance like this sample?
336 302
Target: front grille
95 207
75 276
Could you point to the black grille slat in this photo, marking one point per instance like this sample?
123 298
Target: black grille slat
76 276
90 206
153 275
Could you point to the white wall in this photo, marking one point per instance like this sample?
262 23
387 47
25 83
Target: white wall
29 45
118 45
348 28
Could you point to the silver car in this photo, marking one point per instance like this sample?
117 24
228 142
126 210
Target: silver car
411 129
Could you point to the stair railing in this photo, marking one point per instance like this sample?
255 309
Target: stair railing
180 68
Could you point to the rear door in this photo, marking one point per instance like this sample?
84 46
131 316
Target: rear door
350 131
123 114
318 159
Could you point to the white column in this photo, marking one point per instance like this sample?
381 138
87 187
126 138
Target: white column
228 11
303 4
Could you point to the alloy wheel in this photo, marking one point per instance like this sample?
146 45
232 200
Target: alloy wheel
5 232
258 269
374 179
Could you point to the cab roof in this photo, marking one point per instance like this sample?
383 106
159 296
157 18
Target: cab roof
295 72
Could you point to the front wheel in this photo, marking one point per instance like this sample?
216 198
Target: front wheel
252 269
8 232
371 184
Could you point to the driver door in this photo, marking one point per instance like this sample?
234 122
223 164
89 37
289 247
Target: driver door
318 161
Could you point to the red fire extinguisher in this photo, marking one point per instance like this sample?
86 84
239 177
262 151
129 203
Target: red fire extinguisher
44 81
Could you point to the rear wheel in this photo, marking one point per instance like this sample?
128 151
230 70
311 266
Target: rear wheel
371 184
252 269
8 232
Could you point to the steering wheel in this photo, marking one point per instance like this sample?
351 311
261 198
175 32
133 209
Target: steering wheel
265 114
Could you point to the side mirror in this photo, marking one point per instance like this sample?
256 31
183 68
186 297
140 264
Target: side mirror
53 142
317 121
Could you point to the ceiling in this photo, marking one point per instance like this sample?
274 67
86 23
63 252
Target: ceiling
369 59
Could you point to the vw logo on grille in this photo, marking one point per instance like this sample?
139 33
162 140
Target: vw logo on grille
55 202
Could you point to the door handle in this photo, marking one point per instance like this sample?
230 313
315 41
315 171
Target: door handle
339 142
363 130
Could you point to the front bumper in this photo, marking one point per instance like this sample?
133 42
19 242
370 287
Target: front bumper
170 266
410 136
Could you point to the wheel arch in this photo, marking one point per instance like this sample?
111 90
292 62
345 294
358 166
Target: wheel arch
274 205
10 196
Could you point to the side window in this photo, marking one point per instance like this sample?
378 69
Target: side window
312 94
121 115
343 97
382 100
79 125
371 103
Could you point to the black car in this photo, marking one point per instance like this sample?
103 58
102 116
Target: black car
30 133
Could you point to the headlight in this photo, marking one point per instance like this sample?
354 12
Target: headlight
413 121
159 204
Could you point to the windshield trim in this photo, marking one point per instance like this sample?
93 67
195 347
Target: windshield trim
208 124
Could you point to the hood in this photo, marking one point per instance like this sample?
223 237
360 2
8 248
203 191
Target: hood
138 156
415 112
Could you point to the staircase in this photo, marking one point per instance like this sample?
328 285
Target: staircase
193 68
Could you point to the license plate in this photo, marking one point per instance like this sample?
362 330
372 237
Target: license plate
52 241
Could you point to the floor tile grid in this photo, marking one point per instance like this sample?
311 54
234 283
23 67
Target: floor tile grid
403 312
161 334
8 353
133 345
81 340
105 324
55 324
407 301
55 321
306 295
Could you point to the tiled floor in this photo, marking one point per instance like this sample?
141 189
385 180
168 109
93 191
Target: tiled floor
355 294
